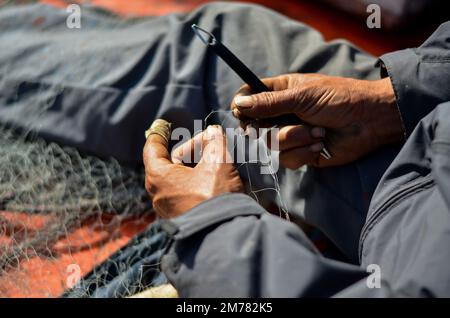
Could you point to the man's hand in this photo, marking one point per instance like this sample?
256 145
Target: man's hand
352 117
176 188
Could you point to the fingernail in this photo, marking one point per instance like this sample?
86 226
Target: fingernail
318 132
236 113
243 101
316 147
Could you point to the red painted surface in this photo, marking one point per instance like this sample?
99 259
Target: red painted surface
329 21
44 274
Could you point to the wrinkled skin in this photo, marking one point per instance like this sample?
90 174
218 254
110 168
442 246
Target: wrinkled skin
174 187
350 117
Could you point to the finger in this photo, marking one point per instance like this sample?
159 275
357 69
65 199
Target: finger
215 146
283 83
277 83
273 84
287 94
254 128
237 114
155 153
243 91
256 124
289 137
189 151
297 157
267 104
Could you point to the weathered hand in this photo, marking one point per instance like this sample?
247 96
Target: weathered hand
176 188
352 117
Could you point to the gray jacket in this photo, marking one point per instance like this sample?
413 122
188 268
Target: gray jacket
230 246
98 88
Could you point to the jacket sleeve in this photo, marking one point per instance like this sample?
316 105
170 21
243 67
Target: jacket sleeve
421 76
230 246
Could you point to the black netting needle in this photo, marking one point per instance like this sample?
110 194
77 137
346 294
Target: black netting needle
246 74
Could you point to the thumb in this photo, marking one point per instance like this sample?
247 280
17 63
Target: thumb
267 104
215 146
155 153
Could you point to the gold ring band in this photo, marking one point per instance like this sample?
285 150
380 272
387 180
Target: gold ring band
159 127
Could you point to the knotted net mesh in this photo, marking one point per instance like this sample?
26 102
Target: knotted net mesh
61 213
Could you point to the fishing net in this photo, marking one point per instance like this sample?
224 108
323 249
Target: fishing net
65 214
62 212
57 203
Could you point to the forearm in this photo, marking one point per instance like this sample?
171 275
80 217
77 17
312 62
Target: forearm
231 247
385 122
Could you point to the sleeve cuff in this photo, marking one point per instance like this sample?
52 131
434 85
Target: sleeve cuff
214 211
401 67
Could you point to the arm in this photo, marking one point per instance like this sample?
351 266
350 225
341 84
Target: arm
230 246
222 242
